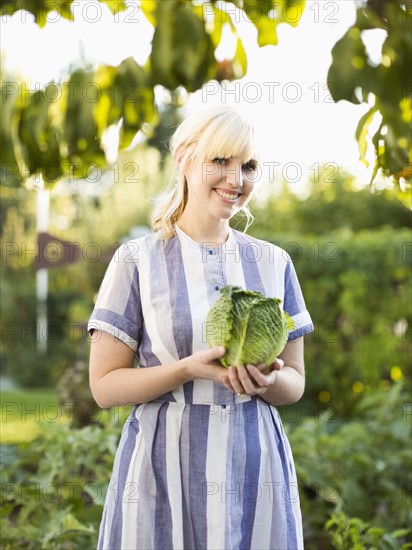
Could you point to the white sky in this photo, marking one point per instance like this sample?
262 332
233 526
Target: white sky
284 90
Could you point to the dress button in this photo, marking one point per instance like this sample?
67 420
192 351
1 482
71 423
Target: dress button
210 251
216 288
223 406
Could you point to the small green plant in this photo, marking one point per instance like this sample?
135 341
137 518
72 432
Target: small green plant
54 486
354 534
358 466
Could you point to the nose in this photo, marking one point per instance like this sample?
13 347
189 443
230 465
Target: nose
233 174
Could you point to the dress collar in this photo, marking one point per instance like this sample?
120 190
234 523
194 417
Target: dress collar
209 245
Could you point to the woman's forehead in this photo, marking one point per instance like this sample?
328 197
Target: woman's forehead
228 151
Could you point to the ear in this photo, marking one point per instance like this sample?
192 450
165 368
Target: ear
178 157
182 164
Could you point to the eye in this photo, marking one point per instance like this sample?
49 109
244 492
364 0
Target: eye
250 166
220 160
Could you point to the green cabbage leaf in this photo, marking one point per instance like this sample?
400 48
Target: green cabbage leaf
252 328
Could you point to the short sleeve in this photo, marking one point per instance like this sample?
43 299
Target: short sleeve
118 308
294 303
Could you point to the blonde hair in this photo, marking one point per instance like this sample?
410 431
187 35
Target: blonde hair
215 132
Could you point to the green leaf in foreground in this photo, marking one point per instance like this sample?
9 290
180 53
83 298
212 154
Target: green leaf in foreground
252 327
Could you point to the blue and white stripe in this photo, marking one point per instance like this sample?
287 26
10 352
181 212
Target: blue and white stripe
199 468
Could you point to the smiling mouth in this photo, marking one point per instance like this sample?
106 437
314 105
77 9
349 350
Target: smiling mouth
226 195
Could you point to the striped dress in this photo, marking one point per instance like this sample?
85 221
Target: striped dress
199 468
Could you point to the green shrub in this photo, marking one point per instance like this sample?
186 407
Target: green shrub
330 204
358 466
354 534
357 289
54 487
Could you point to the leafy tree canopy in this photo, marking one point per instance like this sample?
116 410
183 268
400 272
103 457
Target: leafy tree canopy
59 130
386 86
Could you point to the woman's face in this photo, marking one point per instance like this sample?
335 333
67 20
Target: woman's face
220 187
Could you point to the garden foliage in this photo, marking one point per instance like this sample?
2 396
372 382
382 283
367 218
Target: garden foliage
56 484
357 288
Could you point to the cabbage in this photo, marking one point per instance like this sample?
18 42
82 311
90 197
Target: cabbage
252 328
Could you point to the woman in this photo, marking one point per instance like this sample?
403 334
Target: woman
203 462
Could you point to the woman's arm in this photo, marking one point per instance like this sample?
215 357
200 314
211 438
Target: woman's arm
114 382
283 386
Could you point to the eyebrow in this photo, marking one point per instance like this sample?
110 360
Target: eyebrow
232 157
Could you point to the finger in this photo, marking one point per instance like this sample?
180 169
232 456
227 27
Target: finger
278 364
245 380
260 378
234 380
214 353
227 384
265 369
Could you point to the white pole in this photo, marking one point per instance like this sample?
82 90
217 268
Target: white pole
42 277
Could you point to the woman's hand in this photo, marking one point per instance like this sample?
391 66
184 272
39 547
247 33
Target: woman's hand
204 364
242 380
253 379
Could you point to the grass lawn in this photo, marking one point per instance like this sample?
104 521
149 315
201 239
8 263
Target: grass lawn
24 412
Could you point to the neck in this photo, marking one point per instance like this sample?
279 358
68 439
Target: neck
202 233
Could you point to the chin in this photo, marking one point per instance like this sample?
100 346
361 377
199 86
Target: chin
225 215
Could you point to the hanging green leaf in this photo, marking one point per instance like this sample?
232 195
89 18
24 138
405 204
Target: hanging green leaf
267 33
362 132
137 99
292 11
215 26
9 167
162 56
240 59
39 136
126 95
149 9
182 50
39 8
115 5
194 51
80 129
348 67
107 110
42 8
367 18
266 15
228 68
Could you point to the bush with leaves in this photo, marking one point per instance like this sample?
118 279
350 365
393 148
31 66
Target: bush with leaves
355 534
357 288
54 486
331 200
359 467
